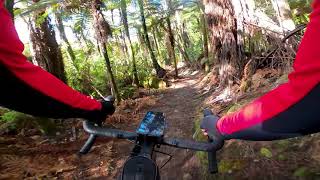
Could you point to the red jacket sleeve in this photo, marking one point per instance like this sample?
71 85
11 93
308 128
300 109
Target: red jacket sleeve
251 120
26 87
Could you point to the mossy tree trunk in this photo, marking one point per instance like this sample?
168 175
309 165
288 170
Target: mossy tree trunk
63 36
159 70
102 31
127 33
47 53
222 24
171 50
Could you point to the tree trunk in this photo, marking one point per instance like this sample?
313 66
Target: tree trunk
184 53
156 41
204 28
126 28
245 14
222 24
243 11
142 43
122 47
183 41
171 51
284 14
124 44
205 43
102 31
63 36
159 70
168 58
9 6
85 40
45 47
158 35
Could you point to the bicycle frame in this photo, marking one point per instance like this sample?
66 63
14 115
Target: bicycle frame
142 161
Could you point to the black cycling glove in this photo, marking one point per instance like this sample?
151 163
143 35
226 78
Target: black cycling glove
98 116
209 125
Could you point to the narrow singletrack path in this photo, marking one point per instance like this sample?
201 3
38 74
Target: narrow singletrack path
179 103
36 157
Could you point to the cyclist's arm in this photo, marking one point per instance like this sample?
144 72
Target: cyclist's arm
292 109
29 89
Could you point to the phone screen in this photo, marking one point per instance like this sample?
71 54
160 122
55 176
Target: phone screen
153 124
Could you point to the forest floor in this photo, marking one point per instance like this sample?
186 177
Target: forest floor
179 103
42 157
31 155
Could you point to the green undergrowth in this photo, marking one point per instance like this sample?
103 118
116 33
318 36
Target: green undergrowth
154 82
13 122
296 158
224 166
237 105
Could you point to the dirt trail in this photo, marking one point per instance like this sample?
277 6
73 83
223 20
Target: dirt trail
37 157
180 106
179 103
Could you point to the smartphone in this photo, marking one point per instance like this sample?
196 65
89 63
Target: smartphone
153 124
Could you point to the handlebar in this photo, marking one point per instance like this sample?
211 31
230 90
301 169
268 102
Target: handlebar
94 131
212 160
211 147
212 155
88 145
91 127
114 133
188 144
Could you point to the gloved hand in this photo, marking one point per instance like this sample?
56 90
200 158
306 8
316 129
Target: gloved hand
98 116
107 108
209 127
